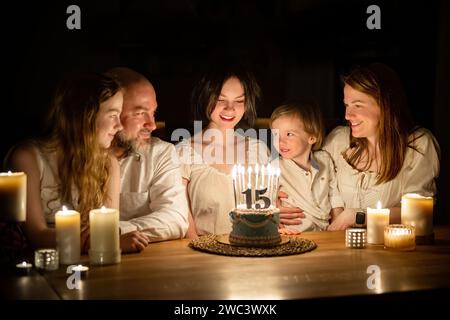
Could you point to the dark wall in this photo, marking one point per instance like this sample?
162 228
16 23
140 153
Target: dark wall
295 48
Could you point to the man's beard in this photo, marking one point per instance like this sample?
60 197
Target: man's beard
129 145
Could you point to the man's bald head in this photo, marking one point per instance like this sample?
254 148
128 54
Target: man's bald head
128 77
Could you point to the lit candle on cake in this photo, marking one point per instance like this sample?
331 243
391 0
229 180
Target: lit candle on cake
235 186
377 219
417 211
255 187
67 223
104 236
13 195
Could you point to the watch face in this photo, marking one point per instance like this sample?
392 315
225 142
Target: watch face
360 218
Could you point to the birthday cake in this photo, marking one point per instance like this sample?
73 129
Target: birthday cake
255 219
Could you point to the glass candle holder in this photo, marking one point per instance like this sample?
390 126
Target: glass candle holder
399 237
46 259
355 238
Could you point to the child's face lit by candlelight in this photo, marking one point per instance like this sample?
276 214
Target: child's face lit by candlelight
230 106
290 139
108 119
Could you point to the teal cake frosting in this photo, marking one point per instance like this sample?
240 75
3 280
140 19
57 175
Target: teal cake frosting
255 229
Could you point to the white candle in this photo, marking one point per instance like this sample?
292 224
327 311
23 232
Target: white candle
67 223
377 219
399 237
24 268
104 236
13 196
262 177
80 268
417 211
235 187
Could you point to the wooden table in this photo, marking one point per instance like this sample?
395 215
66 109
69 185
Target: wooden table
172 270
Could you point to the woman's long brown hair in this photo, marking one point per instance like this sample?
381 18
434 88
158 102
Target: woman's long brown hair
383 84
81 161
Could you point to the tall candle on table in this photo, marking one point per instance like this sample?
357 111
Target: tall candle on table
67 224
104 236
417 211
377 219
13 196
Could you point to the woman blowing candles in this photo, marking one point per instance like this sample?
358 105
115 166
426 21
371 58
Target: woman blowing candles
380 155
71 165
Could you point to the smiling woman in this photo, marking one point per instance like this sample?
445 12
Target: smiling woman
380 155
223 99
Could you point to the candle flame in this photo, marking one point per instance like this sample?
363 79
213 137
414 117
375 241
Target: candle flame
24 263
9 173
103 209
64 208
378 204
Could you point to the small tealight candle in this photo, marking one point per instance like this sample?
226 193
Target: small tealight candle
24 268
83 270
355 238
377 219
399 237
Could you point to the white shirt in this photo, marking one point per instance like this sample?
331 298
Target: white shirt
152 195
313 191
50 197
358 188
211 190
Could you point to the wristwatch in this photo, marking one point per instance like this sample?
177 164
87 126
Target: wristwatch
360 220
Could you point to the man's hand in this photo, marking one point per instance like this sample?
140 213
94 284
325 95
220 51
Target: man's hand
289 216
134 241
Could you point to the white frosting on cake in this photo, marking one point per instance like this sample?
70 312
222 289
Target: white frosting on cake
266 211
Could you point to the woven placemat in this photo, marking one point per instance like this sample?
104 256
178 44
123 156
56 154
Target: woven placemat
210 244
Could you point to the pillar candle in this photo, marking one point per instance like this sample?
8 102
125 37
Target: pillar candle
417 211
377 219
104 236
67 224
13 196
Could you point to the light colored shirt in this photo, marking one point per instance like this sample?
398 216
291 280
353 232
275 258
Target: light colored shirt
152 195
314 191
50 199
211 190
358 188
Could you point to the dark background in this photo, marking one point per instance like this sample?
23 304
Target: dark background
296 48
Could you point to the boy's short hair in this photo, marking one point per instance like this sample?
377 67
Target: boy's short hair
308 113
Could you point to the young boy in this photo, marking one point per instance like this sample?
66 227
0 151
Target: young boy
307 173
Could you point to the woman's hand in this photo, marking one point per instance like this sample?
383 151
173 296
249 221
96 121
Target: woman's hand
344 220
289 216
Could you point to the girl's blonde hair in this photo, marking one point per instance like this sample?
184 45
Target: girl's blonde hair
71 133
